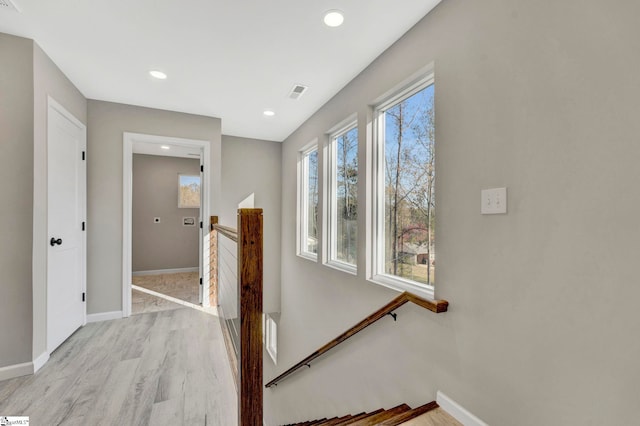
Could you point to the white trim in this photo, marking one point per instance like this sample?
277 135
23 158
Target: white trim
330 225
342 266
104 316
415 79
62 110
24 369
375 203
328 184
202 235
39 362
127 201
271 337
344 125
166 271
303 201
309 256
457 411
16 370
128 140
401 284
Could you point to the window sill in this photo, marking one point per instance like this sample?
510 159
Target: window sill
342 266
272 354
308 256
398 284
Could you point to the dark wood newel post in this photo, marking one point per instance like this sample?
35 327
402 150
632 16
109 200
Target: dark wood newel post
250 288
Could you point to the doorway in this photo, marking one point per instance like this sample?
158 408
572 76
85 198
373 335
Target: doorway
160 232
66 217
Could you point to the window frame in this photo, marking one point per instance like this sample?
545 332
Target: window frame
330 195
180 204
270 335
303 201
376 200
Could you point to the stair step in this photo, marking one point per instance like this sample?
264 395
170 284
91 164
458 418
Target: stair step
387 414
352 419
324 421
359 417
410 414
335 421
426 415
436 417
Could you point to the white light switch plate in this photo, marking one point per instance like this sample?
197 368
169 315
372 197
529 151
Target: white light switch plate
493 201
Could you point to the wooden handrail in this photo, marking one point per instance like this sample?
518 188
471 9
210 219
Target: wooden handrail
227 231
436 306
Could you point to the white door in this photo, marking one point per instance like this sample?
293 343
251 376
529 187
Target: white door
66 276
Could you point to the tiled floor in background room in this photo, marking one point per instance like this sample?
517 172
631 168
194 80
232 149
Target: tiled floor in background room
183 286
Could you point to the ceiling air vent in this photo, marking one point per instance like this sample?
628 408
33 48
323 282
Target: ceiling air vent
296 92
9 5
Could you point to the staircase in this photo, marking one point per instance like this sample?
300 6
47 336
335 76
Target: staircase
426 415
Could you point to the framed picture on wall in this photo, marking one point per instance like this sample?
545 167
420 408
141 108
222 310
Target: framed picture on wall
188 191
188 221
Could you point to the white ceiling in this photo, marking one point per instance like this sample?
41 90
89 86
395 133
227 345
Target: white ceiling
227 59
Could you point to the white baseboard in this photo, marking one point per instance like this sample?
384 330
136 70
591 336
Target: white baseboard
40 361
104 316
165 271
457 411
16 370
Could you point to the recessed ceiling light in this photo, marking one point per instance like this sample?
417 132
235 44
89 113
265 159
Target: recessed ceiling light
158 74
333 18
269 113
165 147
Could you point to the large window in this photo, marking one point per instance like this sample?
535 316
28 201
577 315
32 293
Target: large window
308 203
342 194
404 190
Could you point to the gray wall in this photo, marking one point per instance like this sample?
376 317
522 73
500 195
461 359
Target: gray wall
540 97
48 80
28 78
168 244
16 189
254 166
107 123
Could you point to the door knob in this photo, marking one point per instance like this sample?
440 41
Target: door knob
53 241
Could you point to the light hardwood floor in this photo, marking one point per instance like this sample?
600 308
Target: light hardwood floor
161 368
437 417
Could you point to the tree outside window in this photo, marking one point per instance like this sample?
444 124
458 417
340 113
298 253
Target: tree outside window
408 141
188 192
308 199
344 196
312 202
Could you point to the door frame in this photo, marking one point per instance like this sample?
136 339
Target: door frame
129 139
52 104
